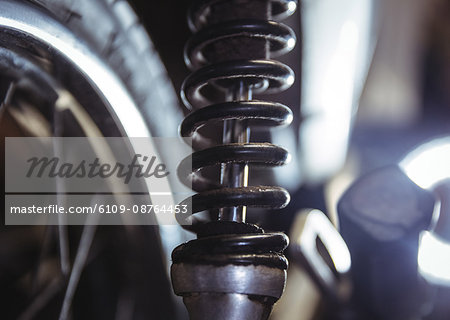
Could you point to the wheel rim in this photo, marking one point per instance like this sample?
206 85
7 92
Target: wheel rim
34 48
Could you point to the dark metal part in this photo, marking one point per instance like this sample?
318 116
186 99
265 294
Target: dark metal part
233 270
235 175
381 217
209 83
280 38
320 250
257 113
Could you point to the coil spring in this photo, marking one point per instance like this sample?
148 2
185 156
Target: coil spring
206 92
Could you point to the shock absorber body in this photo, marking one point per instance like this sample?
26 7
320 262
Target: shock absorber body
234 270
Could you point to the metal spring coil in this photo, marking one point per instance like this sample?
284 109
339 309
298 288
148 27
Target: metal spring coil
204 92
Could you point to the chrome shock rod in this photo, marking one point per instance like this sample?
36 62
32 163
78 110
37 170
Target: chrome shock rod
235 175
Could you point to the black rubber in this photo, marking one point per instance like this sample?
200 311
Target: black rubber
111 29
237 249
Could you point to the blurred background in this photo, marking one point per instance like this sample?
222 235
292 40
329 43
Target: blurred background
372 84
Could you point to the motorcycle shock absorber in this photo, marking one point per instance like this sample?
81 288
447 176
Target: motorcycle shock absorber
233 270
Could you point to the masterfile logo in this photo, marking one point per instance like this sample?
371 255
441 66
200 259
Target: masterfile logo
55 167
80 164
80 180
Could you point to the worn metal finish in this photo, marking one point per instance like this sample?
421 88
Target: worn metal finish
229 306
251 280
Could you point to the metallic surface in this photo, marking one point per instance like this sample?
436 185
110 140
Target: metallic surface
331 277
232 82
381 217
229 306
281 9
233 270
235 175
251 280
280 36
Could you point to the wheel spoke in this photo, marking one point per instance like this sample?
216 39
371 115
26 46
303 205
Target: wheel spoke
64 252
7 89
87 236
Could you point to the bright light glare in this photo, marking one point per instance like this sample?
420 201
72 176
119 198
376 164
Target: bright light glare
337 248
326 133
291 43
290 80
434 259
337 90
429 163
292 6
